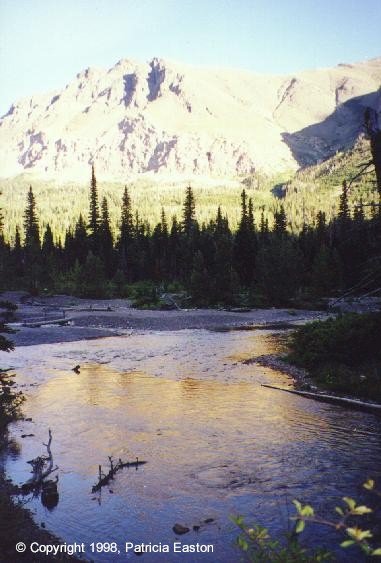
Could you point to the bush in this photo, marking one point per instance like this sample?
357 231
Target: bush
356 526
144 295
344 354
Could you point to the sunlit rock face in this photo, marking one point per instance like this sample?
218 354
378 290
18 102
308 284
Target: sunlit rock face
169 118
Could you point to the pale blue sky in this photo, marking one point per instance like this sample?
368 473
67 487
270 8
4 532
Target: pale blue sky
44 43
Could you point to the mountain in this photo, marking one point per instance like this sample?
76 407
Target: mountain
179 120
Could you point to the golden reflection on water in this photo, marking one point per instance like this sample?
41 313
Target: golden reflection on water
136 405
208 431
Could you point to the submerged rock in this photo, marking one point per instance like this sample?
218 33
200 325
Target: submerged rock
180 529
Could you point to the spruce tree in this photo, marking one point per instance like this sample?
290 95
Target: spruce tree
106 240
189 212
17 255
245 244
243 221
250 216
80 241
126 223
160 240
48 255
32 232
94 217
224 278
344 213
174 248
126 235
200 281
321 227
32 248
164 225
280 222
47 248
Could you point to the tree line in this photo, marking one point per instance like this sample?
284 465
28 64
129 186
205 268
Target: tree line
253 266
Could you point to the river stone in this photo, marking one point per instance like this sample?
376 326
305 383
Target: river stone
180 529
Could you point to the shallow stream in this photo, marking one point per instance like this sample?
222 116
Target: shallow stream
216 443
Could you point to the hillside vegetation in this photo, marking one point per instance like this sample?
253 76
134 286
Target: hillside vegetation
303 194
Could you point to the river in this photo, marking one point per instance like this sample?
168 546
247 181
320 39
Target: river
216 443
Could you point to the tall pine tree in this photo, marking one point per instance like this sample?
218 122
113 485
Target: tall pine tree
106 241
189 210
126 235
94 217
31 227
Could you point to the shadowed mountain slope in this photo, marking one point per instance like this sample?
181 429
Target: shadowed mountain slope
178 120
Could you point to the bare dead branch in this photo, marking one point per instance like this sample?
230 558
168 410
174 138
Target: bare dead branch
103 479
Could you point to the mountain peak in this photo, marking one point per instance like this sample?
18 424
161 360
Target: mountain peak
163 116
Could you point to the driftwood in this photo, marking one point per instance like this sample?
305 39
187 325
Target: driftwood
42 467
324 398
103 479
37 324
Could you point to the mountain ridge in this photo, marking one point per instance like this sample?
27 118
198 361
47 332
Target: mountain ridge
164 117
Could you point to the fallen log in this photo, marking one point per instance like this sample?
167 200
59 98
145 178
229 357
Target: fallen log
103 479
324 398
37 324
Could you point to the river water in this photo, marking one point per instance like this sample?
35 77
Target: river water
216 443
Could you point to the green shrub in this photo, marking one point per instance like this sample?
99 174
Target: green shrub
343 354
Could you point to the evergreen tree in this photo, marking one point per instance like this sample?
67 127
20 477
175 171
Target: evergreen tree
245 244
344 214
17 256
243 209
32 232
250 216
32 243
189 212
321 227
200 281
279 270
90 278
126 236
47 248
126 223
48 255
94 217
225 280
164 225
106 240
80 241
280 222
160 262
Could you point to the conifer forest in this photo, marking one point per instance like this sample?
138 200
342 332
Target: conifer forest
257 264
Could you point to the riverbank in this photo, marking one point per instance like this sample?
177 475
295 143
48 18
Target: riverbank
18 525
338 358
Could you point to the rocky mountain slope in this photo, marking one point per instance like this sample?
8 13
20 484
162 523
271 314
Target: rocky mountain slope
165 117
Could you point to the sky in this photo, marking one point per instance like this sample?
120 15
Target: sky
45 43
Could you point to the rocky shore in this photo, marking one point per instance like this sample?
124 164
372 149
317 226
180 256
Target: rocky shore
64 318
